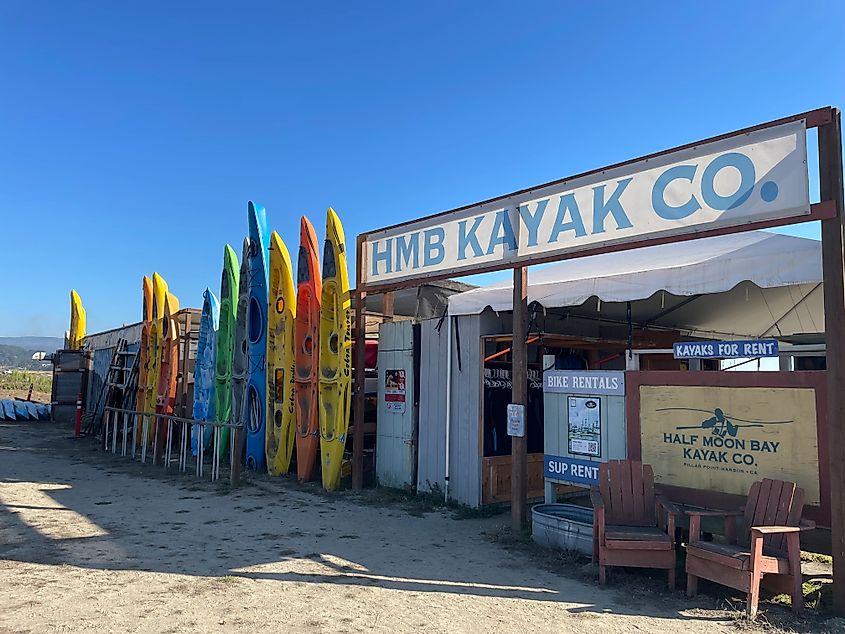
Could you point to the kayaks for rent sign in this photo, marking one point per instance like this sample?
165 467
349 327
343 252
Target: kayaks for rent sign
751 177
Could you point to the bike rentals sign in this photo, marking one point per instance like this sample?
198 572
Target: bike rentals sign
745 178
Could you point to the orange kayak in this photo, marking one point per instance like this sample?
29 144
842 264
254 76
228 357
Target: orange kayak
169 368
307 349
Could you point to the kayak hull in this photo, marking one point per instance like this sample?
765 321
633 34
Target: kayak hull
143 348
307 346
78 321
281 328
203 408
335 353
229 285
154 352
168 368
255 405
239 353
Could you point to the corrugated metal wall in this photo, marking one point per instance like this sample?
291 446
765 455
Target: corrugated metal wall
464 456
395 451
432 438
102 346
465 434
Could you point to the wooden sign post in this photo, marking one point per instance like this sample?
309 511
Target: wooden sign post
833 241
519 396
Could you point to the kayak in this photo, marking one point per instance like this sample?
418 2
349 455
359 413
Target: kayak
143 347
239 354
280 359
335 353
225 345
43 411
306 344
204 369
31 410
154 351
168 368
77 322
8 409
256 316
21 412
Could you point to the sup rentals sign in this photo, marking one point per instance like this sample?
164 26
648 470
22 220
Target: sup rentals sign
741 179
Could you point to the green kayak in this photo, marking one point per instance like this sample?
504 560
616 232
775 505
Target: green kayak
225 344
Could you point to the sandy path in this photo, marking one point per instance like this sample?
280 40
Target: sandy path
86 545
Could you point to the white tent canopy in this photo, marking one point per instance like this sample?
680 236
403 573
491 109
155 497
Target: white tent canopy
784 297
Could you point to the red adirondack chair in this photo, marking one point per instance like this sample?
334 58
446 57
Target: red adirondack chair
768 545
628 526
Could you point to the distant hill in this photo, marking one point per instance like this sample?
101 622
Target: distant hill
47 344
18 358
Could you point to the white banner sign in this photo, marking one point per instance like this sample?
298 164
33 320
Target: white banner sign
742 179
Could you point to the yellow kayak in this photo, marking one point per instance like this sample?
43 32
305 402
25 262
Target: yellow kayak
154 349
281 427
77 322
335 353
143 348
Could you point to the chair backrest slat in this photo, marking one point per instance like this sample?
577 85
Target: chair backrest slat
772 503
627 488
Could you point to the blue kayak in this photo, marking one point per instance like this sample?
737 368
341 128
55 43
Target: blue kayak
31 410
204 369
256 317
8 409
43 411
21 413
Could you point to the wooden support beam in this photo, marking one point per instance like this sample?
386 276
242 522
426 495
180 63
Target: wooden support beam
358 395
519 396
387 306
833 249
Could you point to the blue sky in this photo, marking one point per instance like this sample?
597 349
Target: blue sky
133 134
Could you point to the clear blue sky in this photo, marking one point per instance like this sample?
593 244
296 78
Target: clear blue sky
133 134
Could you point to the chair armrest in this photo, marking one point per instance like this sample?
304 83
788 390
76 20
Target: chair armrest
728 516
667 505
715 513
775 530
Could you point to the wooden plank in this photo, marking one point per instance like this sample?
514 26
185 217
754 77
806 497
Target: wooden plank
625 483
638 510
615 511
644 544
387 306
358 382
773 502
639 559
648 496
519 395
739 579
787 497
833 247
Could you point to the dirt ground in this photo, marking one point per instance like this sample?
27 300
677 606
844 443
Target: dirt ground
38 397
94 543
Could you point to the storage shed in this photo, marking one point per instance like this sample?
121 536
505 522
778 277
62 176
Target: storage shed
586 314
